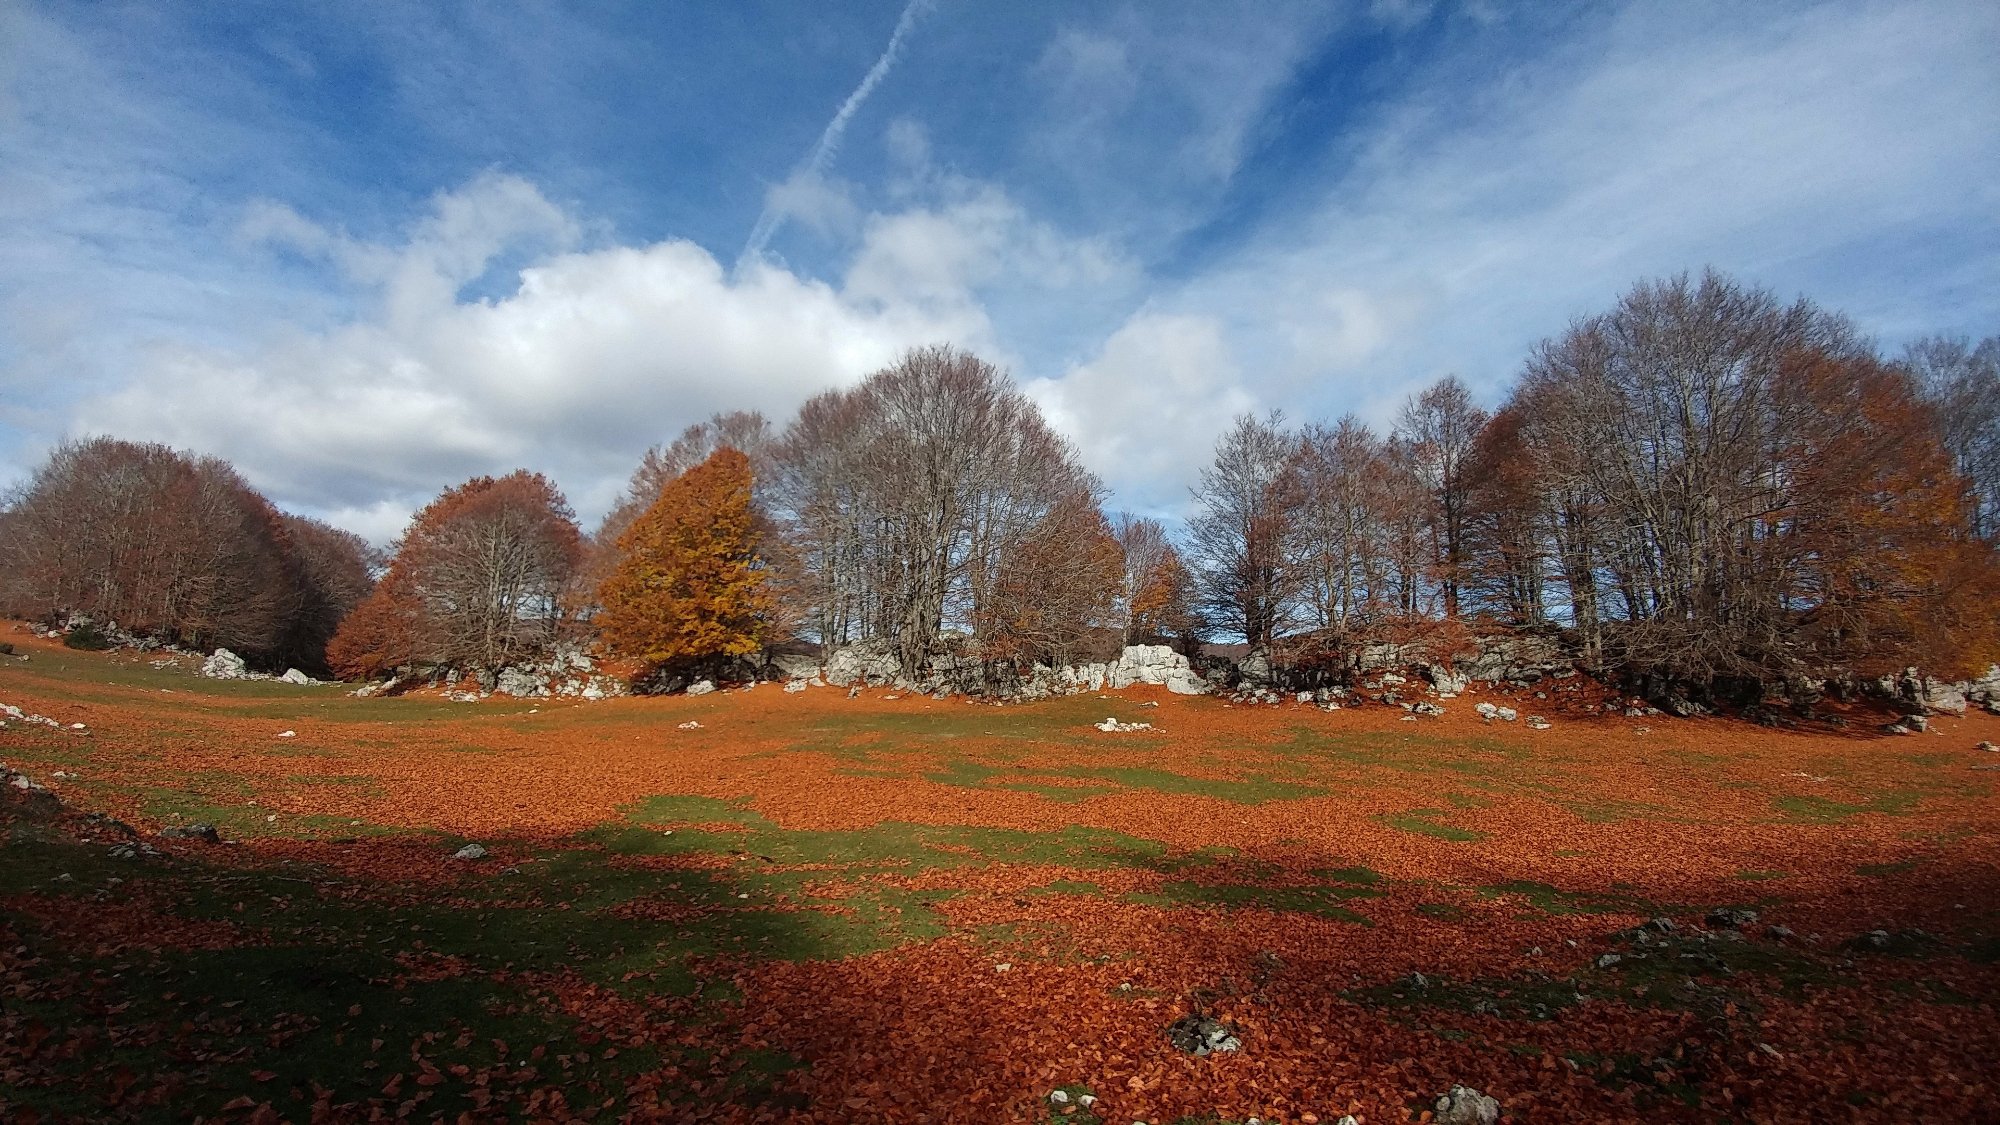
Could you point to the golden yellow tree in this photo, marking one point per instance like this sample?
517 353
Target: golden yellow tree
688 585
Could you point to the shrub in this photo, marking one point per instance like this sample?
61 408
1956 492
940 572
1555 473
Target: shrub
86 637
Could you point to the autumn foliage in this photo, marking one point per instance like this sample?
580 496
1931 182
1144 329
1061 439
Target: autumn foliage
176 548
476 583
689 585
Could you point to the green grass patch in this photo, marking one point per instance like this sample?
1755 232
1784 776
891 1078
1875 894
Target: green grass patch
1326 902
1427 822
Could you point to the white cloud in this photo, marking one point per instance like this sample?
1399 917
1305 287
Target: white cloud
594 355
590 356
1826 152
1145 411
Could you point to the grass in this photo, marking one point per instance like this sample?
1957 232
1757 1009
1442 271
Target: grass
1326 902
1428 822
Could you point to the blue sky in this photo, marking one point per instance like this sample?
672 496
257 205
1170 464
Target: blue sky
365 250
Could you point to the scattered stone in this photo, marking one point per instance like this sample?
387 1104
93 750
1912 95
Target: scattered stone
294 676
1464 1105
134 850
1426 708
470 851
1536 722
689 725
20 789
1199 1035
1111 725
288 734
1732 917
1897 728
1058 1097
1987 746
854 691
1486 711
206 833
1917 723
1417 981
223 664
1779 933
1661 925
701 687
1606 960
793 687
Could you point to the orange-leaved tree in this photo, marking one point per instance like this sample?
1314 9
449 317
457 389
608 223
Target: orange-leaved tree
689 585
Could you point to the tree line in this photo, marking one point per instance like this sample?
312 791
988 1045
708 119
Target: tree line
1703 486
178 549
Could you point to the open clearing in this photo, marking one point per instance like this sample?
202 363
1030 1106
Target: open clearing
821 908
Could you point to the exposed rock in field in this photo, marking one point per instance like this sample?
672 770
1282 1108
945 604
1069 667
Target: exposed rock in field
24 792
135 850
793 687
1536 722
689 725
1199 1035
1463 1105
1732 917
522 683
294 676
223 664
1447 680
470 851
206 833
1112 725
1426 709
863 664
701 687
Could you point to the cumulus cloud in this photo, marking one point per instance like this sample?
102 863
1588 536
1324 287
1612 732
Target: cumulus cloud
1145 411
588 355
592 356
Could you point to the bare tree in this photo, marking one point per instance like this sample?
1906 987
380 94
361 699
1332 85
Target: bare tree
1439 429
477 582
156 541
1243 536
904 497
1963 383
1342 526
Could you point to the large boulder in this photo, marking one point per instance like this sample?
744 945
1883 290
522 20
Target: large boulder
1158 665
524 683
224 665
1463 1105
870 662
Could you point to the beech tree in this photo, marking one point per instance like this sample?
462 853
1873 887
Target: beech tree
1245 531
1156 592
1057 587
475 584
1961 382
688 586
746 431
1440 428
177 548
904 497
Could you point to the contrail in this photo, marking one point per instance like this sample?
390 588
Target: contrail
822 153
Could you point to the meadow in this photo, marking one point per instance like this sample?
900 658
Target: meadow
767 906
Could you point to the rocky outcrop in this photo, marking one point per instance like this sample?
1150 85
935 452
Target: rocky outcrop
223 664
568 673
